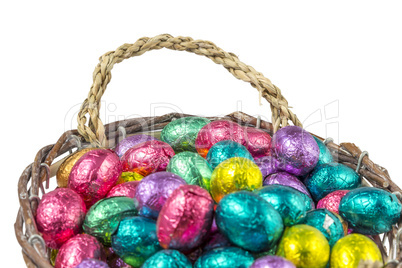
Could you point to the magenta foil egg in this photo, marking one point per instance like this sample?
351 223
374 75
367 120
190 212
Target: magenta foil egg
258 142
131 141
60 215
332 200
185 218
217 131
77 249
296 149
94 174
286 179
124 189
268 165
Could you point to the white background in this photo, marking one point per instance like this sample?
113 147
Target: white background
345 55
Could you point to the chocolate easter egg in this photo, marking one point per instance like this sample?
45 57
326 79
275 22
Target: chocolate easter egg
258 142
131 141
325 155
224 150
272 262
268 165
332 200
225 257
284 178
168 258
92 263
127 189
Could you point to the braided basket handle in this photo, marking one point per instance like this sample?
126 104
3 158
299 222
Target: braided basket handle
95 131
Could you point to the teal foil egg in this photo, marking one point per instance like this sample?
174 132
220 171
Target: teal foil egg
224 150
248 221
325 155
136 240
181 133
308 201
193 168
168 258
370 210
225 257
330 177
327 222
103 218
288 201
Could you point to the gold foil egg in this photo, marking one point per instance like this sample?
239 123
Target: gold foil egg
129 176
352 249
304 246
65 168
234 174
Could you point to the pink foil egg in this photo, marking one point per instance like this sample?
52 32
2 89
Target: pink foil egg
332 200
185 218
125 189
60 216
77 249
147 157
94 174
258 142
217 131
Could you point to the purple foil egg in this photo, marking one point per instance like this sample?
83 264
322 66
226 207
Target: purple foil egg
272 262
125 189
258 142
92 263
296 149
94 174
131 141
286 179
185 218
268 165
154 189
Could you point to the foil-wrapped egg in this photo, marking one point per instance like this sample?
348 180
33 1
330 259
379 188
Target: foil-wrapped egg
268 165
168 258
77 249
181 133
327 222
94 174
127 189
225 257
129 176
147 157
248 221
331 177
296 149
125 144
224 150
217 131
370 210
59 216
153 191
92 263
349 251
185 218
332 200
272 262
305 246
103 218
234 174
135 240
258 142
287 201
284 178
325 155
192 168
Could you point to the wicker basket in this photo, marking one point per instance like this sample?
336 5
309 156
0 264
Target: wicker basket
95 134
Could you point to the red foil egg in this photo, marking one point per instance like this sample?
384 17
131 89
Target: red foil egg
258 142
185 218
331 201
94 174
147 157
77 249
60 216
125 189
217 131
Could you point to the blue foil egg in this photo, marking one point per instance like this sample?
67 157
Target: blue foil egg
226 149
168 258
325 155
370 210
225 257
287 201
248 221
135 240
327 222
330 177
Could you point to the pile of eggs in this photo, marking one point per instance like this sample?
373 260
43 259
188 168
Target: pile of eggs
213 194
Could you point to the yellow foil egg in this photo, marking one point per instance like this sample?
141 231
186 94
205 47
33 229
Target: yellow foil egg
234 174
352 249
129 176
65 168
304 246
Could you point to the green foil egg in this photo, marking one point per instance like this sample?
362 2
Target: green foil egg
325 155
330 177
288 201
193 168
135 240
327 222
370 210
181 133
168 258
225 257
103 218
